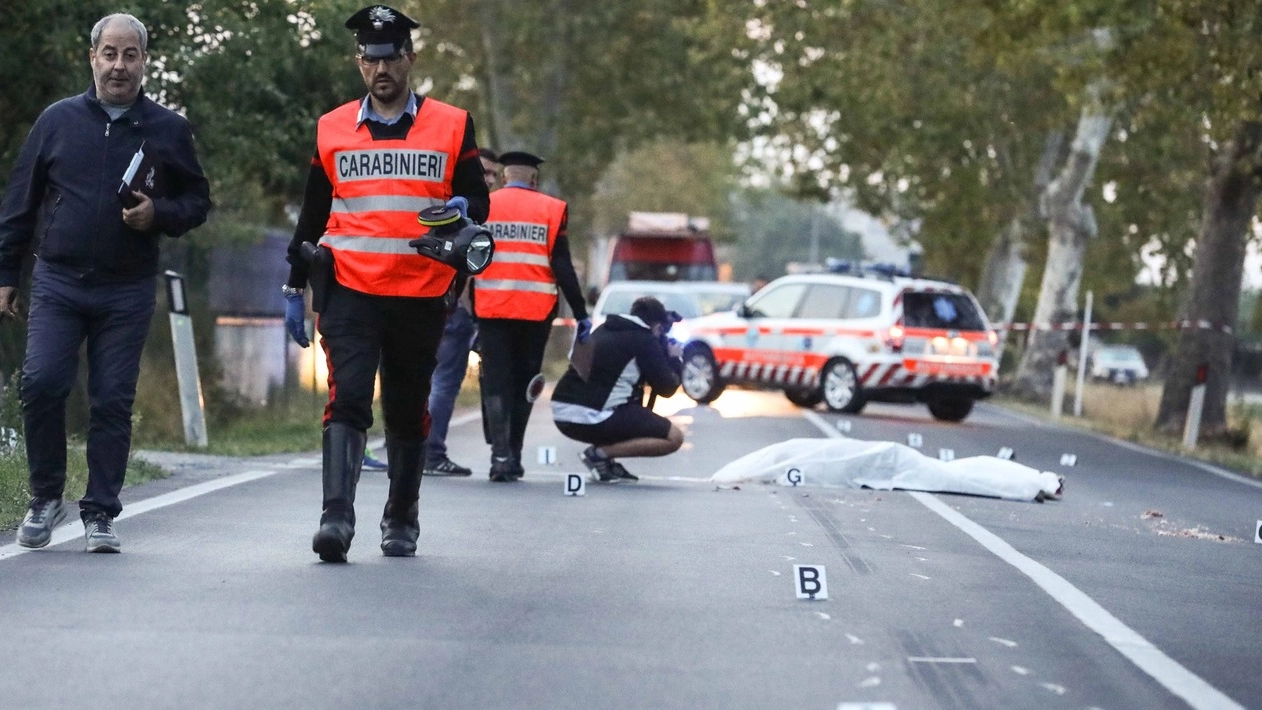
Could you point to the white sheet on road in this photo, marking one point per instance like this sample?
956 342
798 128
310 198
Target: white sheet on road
886 465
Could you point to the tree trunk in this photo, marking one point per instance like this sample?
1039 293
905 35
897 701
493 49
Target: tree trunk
501 98
1231 202
1071 224
1005 268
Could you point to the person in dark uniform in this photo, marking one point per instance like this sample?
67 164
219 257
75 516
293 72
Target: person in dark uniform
453 361
604 409
379 161
94 275
515 300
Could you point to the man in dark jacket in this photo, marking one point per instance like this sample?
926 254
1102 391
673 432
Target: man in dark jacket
94 276
604 409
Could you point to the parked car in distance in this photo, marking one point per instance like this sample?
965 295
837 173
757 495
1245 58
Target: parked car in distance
1121 364
691 299
846 340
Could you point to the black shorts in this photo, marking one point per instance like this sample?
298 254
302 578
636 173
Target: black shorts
627 422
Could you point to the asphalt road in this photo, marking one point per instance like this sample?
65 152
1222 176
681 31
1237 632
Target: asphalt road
668 593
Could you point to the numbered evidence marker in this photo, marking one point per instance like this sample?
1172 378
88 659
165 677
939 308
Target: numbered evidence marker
575 484
1257 535
793 477
843 425
946 454
547 455
915 441
1007 454
1068 459
810 582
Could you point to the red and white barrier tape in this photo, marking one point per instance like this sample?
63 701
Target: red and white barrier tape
1077 325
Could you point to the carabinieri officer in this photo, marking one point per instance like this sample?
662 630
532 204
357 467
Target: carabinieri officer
378 162
515 300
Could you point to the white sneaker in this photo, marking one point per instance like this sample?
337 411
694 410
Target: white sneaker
98 534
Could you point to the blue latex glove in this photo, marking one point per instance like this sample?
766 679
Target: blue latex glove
295 319
461 204
584 329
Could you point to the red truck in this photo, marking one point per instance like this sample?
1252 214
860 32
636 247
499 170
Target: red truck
656 246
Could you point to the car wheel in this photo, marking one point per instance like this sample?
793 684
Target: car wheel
700 379
840 387
950 409
805 398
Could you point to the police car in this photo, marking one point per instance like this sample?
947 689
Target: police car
846 340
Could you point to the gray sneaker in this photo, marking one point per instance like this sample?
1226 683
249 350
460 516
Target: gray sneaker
98 534
37 527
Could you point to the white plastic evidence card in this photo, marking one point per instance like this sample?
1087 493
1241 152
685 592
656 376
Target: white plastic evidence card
810 582
793 477
915 441
547 455
575 484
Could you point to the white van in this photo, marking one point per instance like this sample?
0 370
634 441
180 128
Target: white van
846 340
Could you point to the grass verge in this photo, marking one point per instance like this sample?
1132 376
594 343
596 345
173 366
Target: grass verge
1128 413
15 494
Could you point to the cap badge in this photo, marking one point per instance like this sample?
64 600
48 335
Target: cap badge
379 16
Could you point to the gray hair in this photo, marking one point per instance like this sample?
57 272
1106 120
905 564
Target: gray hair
136 26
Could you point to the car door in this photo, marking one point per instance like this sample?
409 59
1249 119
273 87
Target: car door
755 344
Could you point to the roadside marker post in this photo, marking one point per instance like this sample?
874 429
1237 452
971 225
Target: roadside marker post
810 582
192 403
575 484
1058 385
1196 405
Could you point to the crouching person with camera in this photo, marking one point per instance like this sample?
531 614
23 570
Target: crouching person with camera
604 408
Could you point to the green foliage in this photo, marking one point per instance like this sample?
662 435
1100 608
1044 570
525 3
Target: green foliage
664 176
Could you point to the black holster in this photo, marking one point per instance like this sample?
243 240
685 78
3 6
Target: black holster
319 274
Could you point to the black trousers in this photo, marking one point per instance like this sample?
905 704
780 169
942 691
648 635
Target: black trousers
114 320
512 354
363 333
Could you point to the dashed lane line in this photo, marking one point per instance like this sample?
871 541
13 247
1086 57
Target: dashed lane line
1151 660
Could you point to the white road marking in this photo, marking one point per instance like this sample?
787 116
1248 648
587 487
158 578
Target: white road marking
73 531
1163 669
1130 446
1147 657
1006 642
854 640
873 667
870 682
921 576
958 623
774 572
914 547
1020 671
940 659
823 616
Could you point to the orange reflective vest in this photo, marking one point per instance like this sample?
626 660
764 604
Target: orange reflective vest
378 187
519 283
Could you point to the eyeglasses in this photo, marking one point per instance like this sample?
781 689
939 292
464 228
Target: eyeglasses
390 60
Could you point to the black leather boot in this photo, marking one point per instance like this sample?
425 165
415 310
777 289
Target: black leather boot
400 525
499 427
343 455
520 418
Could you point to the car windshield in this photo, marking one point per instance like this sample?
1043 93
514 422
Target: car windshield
1119 355
950 311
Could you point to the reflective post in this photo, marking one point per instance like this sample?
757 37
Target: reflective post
1059 375
1196 404
192 405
